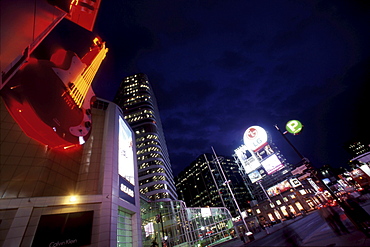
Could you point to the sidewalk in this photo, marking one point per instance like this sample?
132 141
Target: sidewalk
323 236
236 242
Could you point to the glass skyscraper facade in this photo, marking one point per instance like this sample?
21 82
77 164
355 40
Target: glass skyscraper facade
202 184
136 98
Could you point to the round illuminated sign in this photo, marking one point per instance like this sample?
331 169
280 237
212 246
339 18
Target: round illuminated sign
294 127
255 137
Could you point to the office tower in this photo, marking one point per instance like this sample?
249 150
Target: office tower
136 98
202 184
89 191
358 148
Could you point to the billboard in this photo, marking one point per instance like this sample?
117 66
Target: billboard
255 138
278 188
126 163
272 164
264 152
256 175
247 159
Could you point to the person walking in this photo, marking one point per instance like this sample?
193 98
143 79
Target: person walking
357 214
332 218
241 236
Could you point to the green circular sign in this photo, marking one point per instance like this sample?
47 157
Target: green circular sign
294 127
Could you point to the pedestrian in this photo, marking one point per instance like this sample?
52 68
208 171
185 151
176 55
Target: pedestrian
332 218
290 236
242 238
154 243
357 214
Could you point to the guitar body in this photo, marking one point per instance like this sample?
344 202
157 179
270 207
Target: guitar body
41 97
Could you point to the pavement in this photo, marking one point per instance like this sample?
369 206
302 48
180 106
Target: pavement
322 236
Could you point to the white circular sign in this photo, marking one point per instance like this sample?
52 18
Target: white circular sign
255 137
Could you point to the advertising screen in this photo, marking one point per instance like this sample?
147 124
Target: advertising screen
257 175
264 152
272 164
279 188
149 229
243 154
249 161
125 152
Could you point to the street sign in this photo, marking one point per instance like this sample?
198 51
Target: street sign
294 127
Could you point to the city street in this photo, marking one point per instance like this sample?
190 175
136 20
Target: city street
310 230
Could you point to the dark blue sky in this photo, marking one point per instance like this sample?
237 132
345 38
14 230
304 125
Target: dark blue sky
219 67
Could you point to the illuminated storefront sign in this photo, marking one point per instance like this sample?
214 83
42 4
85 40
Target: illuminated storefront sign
126 190
272 164
295 182
69 229
255 138
294 127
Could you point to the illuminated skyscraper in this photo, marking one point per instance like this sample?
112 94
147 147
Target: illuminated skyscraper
136 98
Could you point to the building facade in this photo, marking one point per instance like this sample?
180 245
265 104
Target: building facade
89 191
136 98
279 189
202 184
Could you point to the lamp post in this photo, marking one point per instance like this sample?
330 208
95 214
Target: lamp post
227 183
291 144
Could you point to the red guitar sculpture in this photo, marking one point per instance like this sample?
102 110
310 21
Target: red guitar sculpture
51 99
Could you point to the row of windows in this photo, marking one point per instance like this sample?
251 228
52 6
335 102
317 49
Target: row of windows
153 188
140 113
151 163
145 138
135 87
153 179
143 144
159 196
148 150
149 156
151 171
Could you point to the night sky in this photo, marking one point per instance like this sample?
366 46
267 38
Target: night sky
219 67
